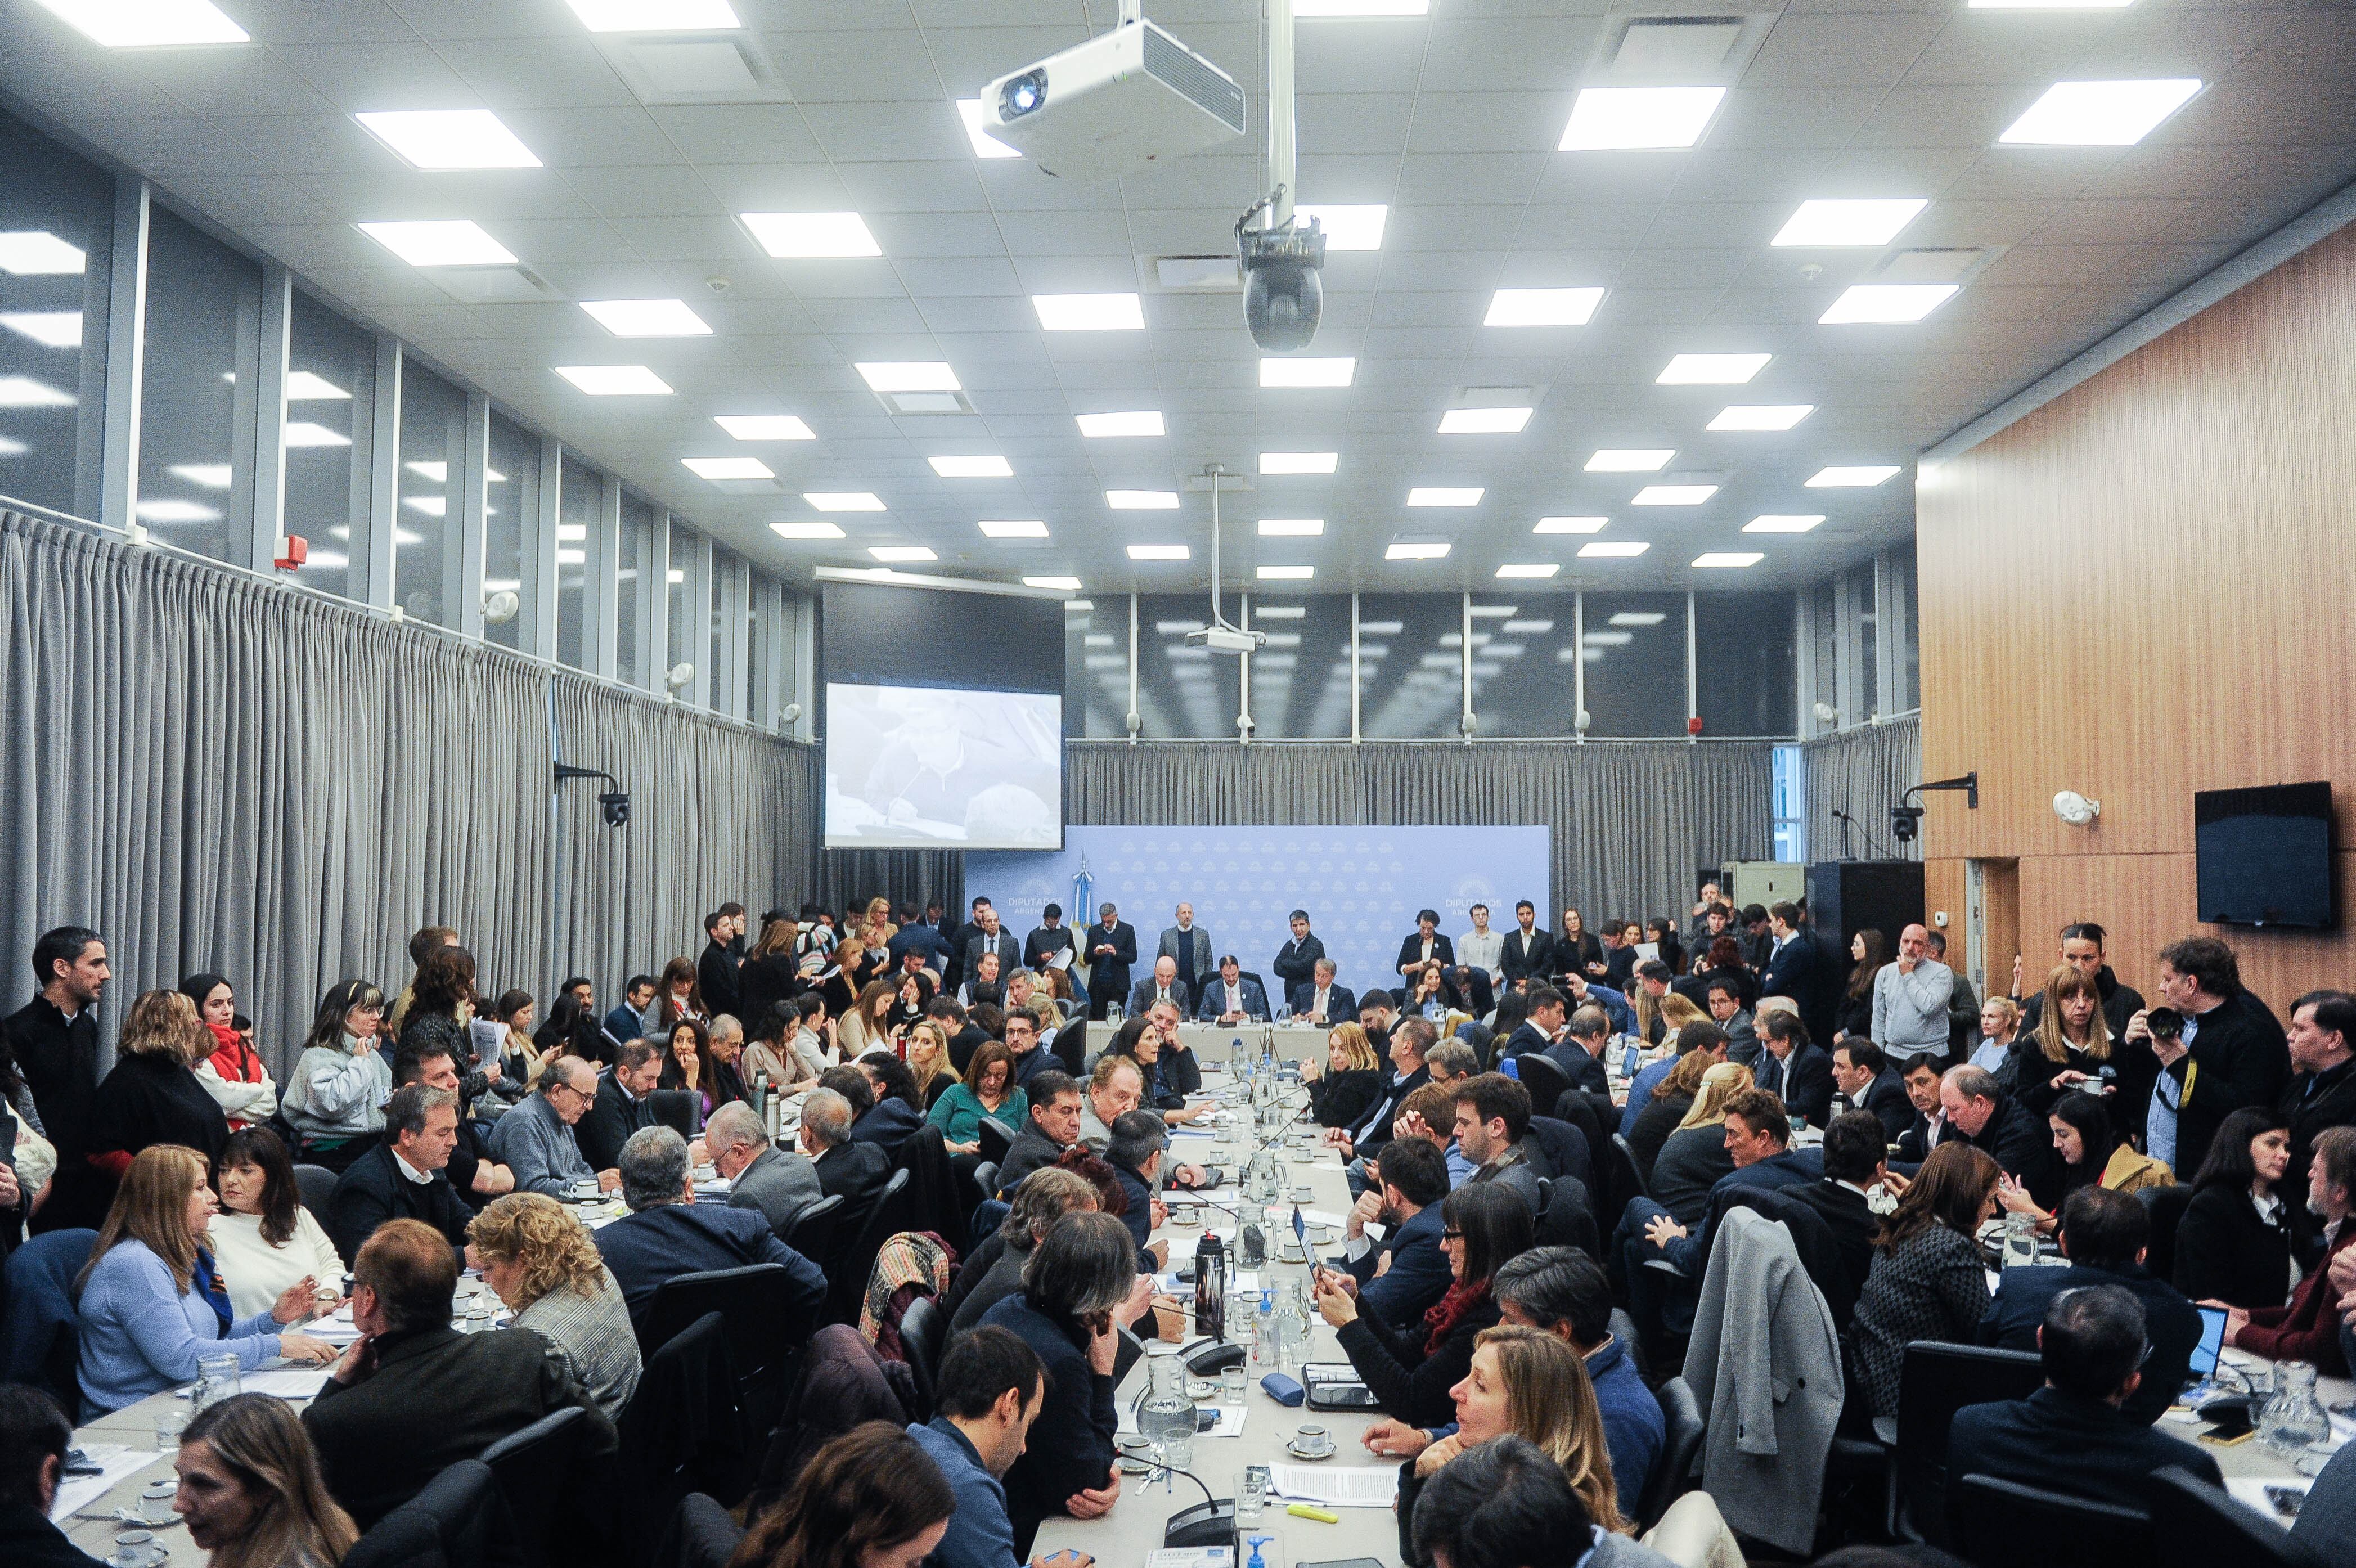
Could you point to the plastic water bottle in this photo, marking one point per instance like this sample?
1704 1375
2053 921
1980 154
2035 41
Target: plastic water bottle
1166 1416
1268 1345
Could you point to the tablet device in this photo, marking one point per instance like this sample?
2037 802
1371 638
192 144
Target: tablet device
2212 1339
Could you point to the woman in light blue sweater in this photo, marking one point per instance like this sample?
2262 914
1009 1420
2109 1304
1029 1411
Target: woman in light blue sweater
151 1300
335 1095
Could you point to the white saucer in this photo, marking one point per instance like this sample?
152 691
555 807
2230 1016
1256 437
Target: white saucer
1294 1448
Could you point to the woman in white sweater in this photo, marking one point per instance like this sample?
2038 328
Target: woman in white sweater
264 1238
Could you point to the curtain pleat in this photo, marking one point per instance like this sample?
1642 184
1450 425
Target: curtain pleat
1862 771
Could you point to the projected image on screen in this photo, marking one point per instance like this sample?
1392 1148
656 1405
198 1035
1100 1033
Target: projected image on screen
914 767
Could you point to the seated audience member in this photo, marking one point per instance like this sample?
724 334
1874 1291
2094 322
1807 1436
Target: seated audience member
771 1053
2089 1154
1234 998
1115 1087
1794 1069
852 1172
1144 1042
1581 1048
1398 1280
1057 1111
250 1491
150 1300
773 1184
991 1388
2322 1090
1345 1084
1694 1158
1493 1113
232 1072
1181 1074
870 1498
2326 1519
538 1259
264 1240
153 1095
1161 985
1319 1000
2103 1235
1429 1115
1922 1078
2228 1051
1999 1028
1410 1370
1927 1280
987 1090
624 1104
621 1025
1724 996
2233 1246
1508 1503
2072 1436
1451 1060
474 1174
994 1272
668 1233
537 1140
34 1438
1672 1097
1077 1279
2308 1328
1543 1011
335 1097
402 1177
899 1108
1705 1034
1973 1109
413 1396
928 1062
1759 1141
1407 1046
1139 1146
1854 1166
686 1062
1866 1083
1028 1038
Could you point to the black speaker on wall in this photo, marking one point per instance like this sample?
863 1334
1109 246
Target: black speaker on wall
1846 896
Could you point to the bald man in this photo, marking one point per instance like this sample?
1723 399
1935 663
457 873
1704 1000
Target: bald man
1910 1001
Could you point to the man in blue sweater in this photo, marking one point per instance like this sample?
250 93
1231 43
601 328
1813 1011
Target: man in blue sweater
666 1234
991 1388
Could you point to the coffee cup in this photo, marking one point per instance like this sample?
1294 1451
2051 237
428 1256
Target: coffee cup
1314 1441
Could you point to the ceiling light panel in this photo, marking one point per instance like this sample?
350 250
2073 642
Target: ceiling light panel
1347 228
2049 5
614 381
1638 618
1631 459
1415 549
655 15
728 468
1069 585
37 253
1852 476
1711 558
1673 495
1157 553
1308 373
764 426
1887 304
1291 527
1142 501
1762 415
1138 421
24 392
304 386
1571 525
1286 574
844 500
977 132
149 24
806 529
1612 549
1298 462
901 552
299 433
1542 306
1024 528
440 139
1445 495
1711 369
2099 114
1089 312
1867 220
50 328
1528 569
440 242
1780 523
1607 119
647 317
802 235
1360 7
908 375
1485 421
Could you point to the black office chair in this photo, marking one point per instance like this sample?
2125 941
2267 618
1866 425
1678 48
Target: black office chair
539 1473
853 1261
762 1328
459 1520
676 1108
1071 1043
2003 1524
2164 1206
2194 1525
315 1185
1566 1216
1935 1380
682 1432
985 1178
1672 1474
923 1336
1623 1329
40 1337
701 1535
1544 1080
813 1227
994 1139
1627 1175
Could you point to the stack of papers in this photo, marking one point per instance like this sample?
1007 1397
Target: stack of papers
287 1382
1356 1486
116 1462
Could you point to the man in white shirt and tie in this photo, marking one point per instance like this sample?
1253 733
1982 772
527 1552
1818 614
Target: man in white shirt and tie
1234 997
1162 988
1319 1000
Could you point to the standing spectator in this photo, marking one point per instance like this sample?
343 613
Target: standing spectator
1050 937
1481 947
401 1177
153 1096
232 1071
423 944
2322 1090
250 1491
2072 1048
1576 950
538 1259
2082 950
716 970
335 1095
678 994
625 1022
265 1239
1188 949
767 975
440 1007
54 1037
1526 955
1870 950
2233 1246
2224 1050
1424 945
1927 1280
1791 966
1112 948
1963 1002
1296 961
1910 1001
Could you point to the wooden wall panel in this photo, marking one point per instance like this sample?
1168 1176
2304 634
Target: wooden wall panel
2140 591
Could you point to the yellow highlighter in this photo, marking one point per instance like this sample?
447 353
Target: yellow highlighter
1310 1510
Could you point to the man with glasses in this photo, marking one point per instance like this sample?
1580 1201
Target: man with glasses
536 1140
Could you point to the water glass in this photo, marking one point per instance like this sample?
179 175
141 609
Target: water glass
170 1422
1232 1382
218 1377
1251 1494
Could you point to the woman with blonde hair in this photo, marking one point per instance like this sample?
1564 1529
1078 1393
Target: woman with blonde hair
1673 1097
152 1096
2071 1047
538 1259
1999 1023
1677 1012
1342 1088
866 1025
1694 1158
929 1061
251 1492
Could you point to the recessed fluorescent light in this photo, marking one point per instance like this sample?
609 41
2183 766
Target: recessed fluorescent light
1762 415
1612 118
820 529
1729 558
1142 422
1346 228
985 145
1485 421
728 468
971 468
1783 523
437 472
655 15
1542 306
151 24
1528 569
647 317
1673 495
1711 369
302 386
310 432
37 253
2099 114
907 375
207 475
1291 527
1360 7
167 510
844 500
1298 462
432 506
1089 312
1851 478
24 392
1025 529
1415 549
434 139
1069 585
1571 525
1608 638
1444 495
1639 617
614 381
573 558
572 533
1631 459
1287 574
764 426
1887 303
901 552
1142 501
811 234
1310 372
675 576
1869 220
1614 548
50 328
439 242
1157 553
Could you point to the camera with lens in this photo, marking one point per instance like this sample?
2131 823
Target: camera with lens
2165 1024
1283 293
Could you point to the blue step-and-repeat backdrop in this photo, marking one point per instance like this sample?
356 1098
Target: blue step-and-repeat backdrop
1361 886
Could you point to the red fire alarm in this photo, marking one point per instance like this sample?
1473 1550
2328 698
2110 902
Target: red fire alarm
1693 726
294 550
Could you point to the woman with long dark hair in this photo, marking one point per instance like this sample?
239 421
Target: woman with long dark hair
1927 1280
871 1498
335 1095
678 994
2233 1246
233 1073
1871 950
1576 950
263 1236
2092 1153
440 1005
770 973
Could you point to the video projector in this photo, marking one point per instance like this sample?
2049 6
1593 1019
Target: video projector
1119 104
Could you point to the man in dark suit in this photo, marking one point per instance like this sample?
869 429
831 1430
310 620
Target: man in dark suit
1921 1079
666 1234
401 1177
775 1185
1795 1068
1425 945
1050 937
715 970
2230 1054
1580 1049
852 1171
1318 1000
1853 1167
413 1395
1234 997
34 1438
1540 1027
1723 996
1758 1139
54 1039
2072 1436
1529 948
958 940
1296 960
623 1106
2104 1234
990 937
1415 1179
1189 946
1862 1075
1973 1105
1112 949
1162 985
1791 962
917 936
1411 1039
2321 1093
1058 1110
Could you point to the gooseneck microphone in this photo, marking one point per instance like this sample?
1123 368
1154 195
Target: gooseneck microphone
1211 1522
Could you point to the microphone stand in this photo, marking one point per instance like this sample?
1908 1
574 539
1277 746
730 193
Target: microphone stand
1211 1522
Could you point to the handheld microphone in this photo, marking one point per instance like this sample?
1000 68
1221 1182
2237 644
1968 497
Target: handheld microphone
1211 1522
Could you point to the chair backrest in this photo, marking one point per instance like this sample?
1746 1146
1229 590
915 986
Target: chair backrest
1566 1216
994 1140
701 1535
813 1227
938 1193
1565 1147
40 1337
894 1210
2003 1524
1544 1080
676 1108
985 1178
682 1430
1672 1474
1071 1045
1623 1329
759 1324
1935 1380
531 1465
924 1333
459 1520
2164 1206
317 1185
1627 1177
2194 1523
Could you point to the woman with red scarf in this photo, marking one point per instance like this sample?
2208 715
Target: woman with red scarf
233 1074
1482 1226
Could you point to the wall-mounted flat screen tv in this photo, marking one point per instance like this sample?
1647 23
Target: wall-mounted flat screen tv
2264 856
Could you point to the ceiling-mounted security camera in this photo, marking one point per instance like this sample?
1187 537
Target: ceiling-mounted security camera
792 710
1825 713
680 676
1284 294
2075 809
499 607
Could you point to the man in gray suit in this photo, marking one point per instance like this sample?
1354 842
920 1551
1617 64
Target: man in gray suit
1163 984
1188 946
779 1186
1725 996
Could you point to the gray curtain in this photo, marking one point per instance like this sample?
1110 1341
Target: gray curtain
1632 823
1862 771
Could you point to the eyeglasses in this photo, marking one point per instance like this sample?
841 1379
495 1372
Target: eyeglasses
1451 1235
